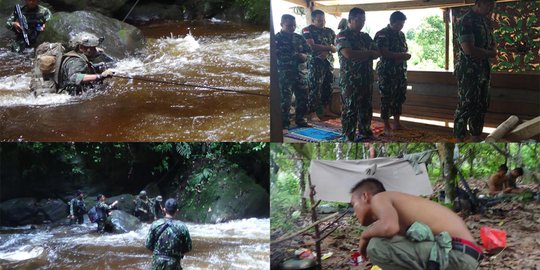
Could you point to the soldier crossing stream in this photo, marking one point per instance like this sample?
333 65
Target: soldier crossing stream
215 54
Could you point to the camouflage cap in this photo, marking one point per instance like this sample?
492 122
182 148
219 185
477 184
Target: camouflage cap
142 193
87 39
159 198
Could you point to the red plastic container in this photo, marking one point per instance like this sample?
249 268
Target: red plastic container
492 238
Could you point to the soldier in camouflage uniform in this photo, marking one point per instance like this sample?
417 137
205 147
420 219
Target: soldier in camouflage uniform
291 54
392 69
356 51
157 207
103 209
77 209
473 70
168 240
77 72
320 65
36 18
142 207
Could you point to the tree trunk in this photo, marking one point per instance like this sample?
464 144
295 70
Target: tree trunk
303 186
471 161
446 156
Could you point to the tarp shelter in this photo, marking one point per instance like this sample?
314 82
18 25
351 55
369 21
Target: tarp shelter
333 179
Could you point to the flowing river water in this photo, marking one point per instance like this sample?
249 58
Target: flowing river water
241 244
210 53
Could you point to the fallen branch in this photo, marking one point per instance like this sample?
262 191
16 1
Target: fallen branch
291 235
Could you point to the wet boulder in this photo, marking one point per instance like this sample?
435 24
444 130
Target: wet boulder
124 222
20 211
126 202
235 196
52 210
121 39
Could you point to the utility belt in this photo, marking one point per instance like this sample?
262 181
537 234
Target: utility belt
468 248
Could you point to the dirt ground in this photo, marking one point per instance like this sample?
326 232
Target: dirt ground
520 220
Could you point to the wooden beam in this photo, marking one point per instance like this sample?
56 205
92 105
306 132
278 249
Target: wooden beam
302 3
419 4
291 235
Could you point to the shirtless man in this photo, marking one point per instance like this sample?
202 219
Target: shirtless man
498 181
387 241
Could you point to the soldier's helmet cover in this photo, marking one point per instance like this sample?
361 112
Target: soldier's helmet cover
86 39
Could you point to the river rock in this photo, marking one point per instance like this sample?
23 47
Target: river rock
233 195
20 211
53 210
126 202
124 222
121 39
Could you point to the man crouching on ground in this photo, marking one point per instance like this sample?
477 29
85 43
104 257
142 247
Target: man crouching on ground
409 232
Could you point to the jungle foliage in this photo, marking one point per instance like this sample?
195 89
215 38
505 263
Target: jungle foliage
290 162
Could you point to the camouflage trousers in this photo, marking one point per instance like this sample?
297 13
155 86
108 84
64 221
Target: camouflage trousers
356 110
289 83
165 263
18 45
320 77
473 93
105 225
393 90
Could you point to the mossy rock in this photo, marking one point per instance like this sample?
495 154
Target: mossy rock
121 39
228 193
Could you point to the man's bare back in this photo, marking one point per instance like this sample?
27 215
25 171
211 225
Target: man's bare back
411 208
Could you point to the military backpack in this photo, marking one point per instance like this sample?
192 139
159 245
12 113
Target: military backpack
45 76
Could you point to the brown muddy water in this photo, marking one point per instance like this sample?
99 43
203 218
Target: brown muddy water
241 244
208 53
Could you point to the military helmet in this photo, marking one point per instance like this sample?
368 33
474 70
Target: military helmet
87 39
142 193
159 198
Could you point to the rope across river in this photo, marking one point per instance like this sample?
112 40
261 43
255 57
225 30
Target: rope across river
188 85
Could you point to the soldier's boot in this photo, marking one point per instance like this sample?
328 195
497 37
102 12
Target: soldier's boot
314 117
302 123
328 112
387 127
397 124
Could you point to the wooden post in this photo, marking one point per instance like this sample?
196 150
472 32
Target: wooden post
314 219
276 126
446 16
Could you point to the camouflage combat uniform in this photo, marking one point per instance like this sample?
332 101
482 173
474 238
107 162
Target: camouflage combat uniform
356 83
74 67
392 75
320 76
157 208
104 222
77 208
292 74
168 244
140 205
36 19
473 77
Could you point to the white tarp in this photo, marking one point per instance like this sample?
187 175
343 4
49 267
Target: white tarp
333 179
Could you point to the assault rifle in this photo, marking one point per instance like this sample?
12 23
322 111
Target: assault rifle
23 23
